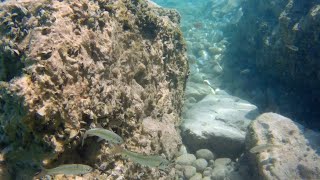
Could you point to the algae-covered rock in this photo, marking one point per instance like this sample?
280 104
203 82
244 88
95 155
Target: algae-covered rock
68 66
295 154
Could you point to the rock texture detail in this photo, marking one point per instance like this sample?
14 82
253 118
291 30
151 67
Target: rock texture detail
296 154
67 66
218 122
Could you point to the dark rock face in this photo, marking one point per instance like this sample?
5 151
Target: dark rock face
281 40
67 66
283 36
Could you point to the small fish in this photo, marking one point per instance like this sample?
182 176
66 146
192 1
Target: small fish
292 47
104 134
67 169
207 82
146 160
263 147
245 71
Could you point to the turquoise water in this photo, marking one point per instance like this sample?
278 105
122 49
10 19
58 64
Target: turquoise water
231 52
246 58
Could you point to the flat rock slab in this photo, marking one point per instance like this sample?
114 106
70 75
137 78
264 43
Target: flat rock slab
218 122
295 154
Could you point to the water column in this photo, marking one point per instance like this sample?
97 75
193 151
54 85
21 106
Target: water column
213 121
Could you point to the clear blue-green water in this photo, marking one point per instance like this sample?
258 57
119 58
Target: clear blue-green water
264 53
231 83
224 53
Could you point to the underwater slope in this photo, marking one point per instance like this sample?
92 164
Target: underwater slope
68 66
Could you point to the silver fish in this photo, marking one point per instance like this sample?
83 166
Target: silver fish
263 147
245 71
67 169
145 160
104 134
292 47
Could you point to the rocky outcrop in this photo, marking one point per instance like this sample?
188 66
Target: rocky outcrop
67 66
294 152
218 122
277 41
280 34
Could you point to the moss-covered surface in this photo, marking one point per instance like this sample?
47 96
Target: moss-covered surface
72 65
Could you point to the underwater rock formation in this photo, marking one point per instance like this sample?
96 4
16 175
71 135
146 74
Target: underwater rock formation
294 153
282 37
68 66
280 41
218 122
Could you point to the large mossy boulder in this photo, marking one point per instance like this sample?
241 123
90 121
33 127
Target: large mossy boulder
68 66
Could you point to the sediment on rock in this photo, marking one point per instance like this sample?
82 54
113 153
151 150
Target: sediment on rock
69 66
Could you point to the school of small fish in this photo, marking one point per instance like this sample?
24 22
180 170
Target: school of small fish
115 140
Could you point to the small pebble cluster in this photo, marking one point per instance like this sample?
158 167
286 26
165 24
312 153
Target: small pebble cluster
203 165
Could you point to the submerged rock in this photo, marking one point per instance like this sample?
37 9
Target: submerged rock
197 90
207 171
67 66
189 171
197 176
280 40
186 159
297 152
218 122
200 164
205 154
222 162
